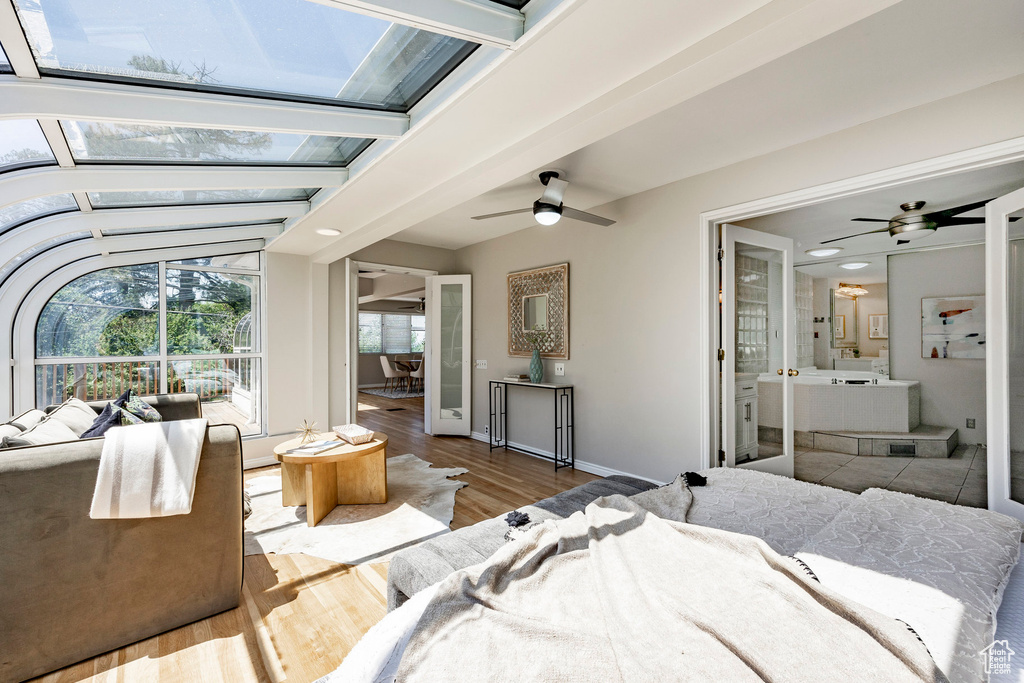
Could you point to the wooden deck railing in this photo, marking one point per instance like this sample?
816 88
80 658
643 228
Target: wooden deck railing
100 381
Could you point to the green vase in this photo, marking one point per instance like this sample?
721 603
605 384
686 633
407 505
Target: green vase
536 368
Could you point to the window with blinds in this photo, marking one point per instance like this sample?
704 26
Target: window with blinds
391 333
397 333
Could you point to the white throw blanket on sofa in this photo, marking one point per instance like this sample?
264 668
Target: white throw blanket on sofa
148 470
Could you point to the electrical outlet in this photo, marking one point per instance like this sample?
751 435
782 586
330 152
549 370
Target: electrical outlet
481 365
971 423
560 369
487 430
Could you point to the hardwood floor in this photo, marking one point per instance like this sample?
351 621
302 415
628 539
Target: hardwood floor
300 615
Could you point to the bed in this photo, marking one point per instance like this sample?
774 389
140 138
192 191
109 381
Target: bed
889 563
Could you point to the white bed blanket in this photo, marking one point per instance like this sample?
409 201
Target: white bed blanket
148 470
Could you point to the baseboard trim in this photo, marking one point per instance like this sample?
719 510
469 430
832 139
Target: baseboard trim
589 467
262 461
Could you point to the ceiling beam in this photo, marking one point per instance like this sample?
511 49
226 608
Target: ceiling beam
478 21
16 46
56 98
28 235
17 186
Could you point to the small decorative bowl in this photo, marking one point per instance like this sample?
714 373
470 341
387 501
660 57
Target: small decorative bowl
354 434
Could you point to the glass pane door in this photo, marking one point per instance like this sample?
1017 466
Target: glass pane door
759 344
1004 343
449 309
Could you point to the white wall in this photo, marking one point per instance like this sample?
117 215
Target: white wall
295 344
952 390
875 302
634 287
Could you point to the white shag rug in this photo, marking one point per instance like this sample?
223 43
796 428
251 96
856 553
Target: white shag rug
421 501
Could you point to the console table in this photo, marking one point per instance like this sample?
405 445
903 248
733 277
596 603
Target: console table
565 436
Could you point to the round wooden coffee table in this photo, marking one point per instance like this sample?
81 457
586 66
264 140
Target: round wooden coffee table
346 475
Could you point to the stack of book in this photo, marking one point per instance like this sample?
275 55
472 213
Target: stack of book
513 377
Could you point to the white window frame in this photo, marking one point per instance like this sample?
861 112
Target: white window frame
36 300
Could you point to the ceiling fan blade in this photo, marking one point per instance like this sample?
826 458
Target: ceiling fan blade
859 234
554 191
938 215
569 212
899 242
871 220
502 213
953 221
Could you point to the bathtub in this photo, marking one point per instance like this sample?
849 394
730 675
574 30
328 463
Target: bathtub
855 402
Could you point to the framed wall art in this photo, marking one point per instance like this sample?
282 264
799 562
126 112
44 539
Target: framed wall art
538 309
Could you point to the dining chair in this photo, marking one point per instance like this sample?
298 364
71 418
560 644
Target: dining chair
391 375
416 376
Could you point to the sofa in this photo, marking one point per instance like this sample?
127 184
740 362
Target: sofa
72 587
425 564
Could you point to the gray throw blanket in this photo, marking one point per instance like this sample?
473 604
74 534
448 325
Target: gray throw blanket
617 594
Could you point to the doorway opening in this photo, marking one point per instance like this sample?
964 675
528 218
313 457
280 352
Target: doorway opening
389 371
887 386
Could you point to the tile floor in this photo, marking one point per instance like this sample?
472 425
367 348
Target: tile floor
960 478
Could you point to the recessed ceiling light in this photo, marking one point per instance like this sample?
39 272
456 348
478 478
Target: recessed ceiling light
854 265
328 232
824 251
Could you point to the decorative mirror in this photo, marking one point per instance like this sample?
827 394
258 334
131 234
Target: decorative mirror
535 312
844 321
538 300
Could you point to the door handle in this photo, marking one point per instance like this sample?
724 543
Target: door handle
792 372
780 371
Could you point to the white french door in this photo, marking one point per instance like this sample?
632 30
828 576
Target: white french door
757 337
447 402
1004 343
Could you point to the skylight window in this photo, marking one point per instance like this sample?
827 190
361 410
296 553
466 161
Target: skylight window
105 200
22 212
514 4
294 49
22 143
130 142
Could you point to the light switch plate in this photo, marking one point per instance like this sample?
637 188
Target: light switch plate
560 369
481 365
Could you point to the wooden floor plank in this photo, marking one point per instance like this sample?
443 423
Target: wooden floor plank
300 615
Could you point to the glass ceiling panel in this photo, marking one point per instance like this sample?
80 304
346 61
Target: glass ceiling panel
5 64
106 200
22 143
514 4
9 267
293 49
22 212
249 261
121 142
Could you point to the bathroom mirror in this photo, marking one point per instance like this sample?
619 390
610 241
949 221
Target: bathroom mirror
844 321
535 312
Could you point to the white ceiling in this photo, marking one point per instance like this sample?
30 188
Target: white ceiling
810 225
914 52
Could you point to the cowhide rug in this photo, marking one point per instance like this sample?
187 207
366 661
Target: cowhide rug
421 500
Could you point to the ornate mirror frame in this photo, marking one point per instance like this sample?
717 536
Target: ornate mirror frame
553 282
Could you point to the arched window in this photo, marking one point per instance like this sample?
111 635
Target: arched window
166 327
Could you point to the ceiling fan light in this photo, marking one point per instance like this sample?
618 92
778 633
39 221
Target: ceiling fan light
546 214
823 251
854 265
916 233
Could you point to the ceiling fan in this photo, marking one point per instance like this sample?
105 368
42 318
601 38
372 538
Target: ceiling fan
914 223
421 306
549 208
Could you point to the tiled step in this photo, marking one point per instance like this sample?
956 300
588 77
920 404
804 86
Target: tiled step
927 441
